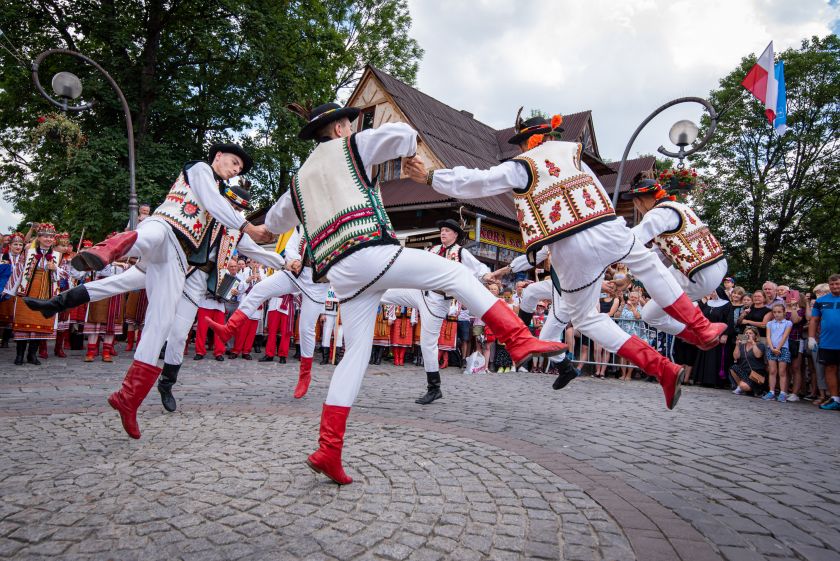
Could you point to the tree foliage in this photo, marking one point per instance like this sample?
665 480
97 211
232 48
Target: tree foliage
193 72
773 201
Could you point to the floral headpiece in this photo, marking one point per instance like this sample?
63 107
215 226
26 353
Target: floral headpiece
62 239
46 229
16 237
556 130
87 243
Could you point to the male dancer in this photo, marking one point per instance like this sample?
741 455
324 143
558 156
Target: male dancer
351 242
182 232
433 306
561 203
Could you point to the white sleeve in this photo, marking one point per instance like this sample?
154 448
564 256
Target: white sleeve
205 189
291 249
478 268
386 142
656 221
466 183
281 217
248 247
520 263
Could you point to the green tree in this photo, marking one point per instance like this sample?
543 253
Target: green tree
193 72
773 200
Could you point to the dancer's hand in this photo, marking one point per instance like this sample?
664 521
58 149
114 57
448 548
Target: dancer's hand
415 169
294 265
260 234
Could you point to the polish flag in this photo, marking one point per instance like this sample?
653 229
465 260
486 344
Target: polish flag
766 82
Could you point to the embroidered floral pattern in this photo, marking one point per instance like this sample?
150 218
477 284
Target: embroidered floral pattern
190 210
588 200
556 212
553 169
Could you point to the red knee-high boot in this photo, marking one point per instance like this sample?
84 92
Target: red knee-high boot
129 340
518 340
92 351
229 329
698 331
670 375
135 387
304 377
327 459
97 257
58 350
43 349
107 352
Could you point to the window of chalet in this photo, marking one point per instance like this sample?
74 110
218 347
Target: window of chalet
365 119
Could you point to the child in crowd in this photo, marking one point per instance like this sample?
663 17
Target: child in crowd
778 356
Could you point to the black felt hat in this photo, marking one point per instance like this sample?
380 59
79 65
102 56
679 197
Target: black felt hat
452 225
324 115
529 127
237 194
247 162
642 187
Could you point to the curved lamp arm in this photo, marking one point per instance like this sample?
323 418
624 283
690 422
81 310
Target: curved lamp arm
132 196
696 146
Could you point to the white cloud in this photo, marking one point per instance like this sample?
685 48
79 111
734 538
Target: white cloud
8 217
619 59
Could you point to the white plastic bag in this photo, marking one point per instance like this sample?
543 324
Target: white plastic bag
475 363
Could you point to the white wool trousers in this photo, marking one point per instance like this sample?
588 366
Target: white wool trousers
327 330
533 293
580 260
413 268
704 282
432 308
311 307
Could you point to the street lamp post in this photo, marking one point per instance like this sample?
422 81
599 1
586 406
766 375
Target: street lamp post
682 134
68 87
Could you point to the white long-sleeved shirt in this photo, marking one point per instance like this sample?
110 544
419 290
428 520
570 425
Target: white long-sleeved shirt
520 263
656 221
466 183
206 191
375 146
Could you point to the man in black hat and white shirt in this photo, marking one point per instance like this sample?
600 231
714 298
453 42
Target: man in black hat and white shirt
182 232
351 242
433 305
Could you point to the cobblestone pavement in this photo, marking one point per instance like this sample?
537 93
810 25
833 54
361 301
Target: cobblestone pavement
501 468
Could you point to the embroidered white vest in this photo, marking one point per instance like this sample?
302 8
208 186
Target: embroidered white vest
184 213
560 199
453 252
340 209
691 246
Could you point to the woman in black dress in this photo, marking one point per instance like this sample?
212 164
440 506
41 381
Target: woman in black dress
710 364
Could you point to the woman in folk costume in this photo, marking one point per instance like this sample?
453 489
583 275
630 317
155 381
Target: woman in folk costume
281 314
434 305
181 233
247 332
697 261
448 336
352 243
381 334
105 317
561 203
15 257
401 319
296 277
66 281
38 280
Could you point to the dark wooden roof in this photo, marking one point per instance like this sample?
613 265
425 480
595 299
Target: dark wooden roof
631 168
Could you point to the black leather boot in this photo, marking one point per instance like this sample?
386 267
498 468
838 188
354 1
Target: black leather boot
32 353
565 370
525 317
339 354
21 350
168 377
378 358
372 354
433 389
325 355
64 301
297 352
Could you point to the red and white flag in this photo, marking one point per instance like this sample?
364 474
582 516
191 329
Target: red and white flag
763 82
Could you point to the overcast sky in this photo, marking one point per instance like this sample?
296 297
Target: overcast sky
619 58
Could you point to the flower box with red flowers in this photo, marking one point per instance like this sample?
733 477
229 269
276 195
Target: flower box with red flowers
679 178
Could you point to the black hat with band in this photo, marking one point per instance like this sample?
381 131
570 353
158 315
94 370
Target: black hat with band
324 115
247 162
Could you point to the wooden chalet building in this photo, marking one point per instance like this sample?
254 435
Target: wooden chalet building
451 137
